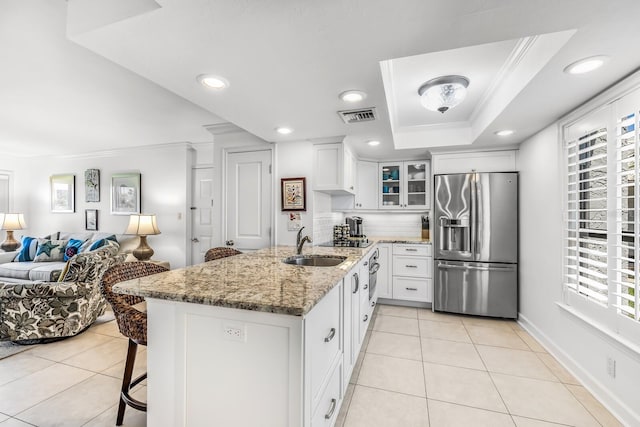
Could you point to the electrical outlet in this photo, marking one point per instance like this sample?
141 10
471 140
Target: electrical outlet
234 332
611 367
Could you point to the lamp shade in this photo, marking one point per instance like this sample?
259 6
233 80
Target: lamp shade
12 221
142 225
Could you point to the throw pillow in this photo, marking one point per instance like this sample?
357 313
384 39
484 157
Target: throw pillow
92 245
73 247
88 267
50 250
27 250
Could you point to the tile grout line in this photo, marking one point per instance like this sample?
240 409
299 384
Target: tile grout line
424 373
490 376
55 394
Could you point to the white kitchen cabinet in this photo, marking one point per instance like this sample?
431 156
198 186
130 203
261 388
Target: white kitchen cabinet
322 341
366 197
404 185
384 278
327 410
412 278
351 303
360 310
333 169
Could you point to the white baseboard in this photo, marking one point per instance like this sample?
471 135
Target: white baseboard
619 409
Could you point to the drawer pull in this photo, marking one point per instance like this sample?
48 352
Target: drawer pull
366 317
373 303
332 409
411 289
411 266
411 249
357 281
332 333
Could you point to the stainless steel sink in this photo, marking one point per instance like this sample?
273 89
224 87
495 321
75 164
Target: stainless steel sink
314 260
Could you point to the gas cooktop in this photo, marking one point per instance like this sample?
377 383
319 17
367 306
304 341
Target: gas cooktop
348 243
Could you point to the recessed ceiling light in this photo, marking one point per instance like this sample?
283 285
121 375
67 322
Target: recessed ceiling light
504 132
284 130
212 82
373 142
586 65
353 96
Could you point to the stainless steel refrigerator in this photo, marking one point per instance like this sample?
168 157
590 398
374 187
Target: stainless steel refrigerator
476 244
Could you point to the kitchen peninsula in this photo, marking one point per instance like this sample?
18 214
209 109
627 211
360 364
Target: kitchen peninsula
249 340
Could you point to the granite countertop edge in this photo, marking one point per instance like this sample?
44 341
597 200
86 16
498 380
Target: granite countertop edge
257 281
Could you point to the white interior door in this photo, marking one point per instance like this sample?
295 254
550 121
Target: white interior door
201 213
248 200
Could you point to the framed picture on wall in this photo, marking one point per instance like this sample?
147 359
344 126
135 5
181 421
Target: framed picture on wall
63 193
92 185
125 193
294 196
91 219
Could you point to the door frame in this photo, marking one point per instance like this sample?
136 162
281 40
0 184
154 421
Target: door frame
225 158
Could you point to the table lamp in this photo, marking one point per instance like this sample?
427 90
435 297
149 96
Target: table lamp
11 222
142 225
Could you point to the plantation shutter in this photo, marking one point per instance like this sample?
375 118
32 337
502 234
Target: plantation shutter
586 233
626 242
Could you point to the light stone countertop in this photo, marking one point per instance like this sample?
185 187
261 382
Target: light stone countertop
257 281
406 240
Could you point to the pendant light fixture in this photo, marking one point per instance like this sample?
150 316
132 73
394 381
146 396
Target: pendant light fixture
443 93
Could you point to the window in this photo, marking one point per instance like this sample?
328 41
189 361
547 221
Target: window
601 275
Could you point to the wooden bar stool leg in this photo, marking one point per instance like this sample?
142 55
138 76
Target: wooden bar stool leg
126 379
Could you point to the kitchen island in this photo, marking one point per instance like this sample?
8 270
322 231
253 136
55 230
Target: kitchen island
251 341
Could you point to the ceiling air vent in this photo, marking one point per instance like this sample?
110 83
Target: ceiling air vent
359 115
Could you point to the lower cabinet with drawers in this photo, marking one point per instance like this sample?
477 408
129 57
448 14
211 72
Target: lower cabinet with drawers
406 272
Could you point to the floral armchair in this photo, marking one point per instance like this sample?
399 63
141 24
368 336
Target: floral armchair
43 311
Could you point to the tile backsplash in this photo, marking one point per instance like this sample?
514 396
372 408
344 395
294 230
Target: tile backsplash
388 224
323 226
379 224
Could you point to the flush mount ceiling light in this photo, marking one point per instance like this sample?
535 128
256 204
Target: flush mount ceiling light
586 65
212 82
443 93
504 132
353 96
284 130
373 143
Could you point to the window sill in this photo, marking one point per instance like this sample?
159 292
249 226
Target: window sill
632 348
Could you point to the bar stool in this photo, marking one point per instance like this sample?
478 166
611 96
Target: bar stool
221 252
131 322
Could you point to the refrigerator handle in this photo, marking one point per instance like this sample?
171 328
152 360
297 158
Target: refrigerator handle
470 267
474 214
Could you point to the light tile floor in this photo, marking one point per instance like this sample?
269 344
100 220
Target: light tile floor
416 368
419 368
73 382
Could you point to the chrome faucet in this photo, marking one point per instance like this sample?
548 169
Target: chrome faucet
300 241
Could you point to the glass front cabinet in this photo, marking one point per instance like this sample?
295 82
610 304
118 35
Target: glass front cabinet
404 185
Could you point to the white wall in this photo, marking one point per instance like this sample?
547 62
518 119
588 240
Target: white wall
580 347
293 160
165 192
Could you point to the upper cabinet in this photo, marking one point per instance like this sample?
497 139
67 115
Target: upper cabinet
334 169
366 197
404 185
